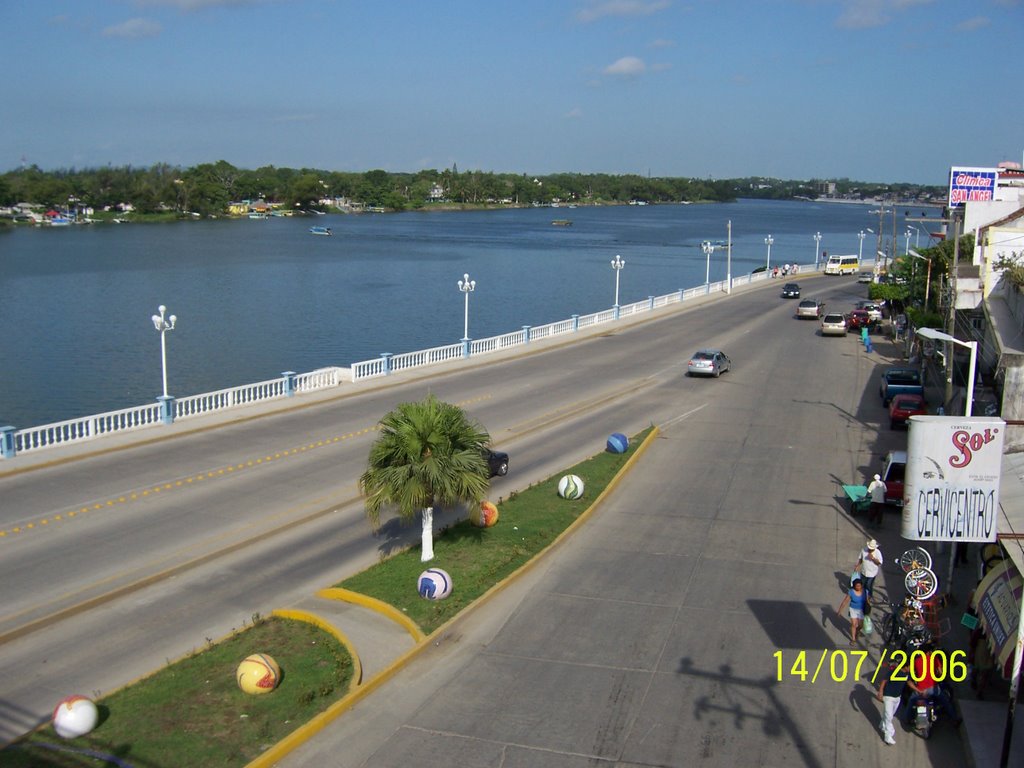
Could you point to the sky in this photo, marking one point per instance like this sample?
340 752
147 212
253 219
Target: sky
869 90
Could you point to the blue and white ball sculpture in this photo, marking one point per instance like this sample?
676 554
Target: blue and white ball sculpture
617 443
570 487
434 584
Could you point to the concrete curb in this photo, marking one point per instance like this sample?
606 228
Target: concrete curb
320 623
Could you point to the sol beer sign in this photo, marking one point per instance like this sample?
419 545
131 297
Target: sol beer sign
951 490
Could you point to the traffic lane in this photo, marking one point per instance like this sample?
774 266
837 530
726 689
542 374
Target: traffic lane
738 597
176 526
130 637
118 546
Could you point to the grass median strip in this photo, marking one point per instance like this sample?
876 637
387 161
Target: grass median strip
192 711
478 558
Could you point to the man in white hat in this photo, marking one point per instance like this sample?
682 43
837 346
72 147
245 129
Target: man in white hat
870 564
876 490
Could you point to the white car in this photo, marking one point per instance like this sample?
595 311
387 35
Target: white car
866 277
874 311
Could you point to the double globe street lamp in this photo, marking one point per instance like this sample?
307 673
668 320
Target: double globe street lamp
708 247
817 248
163 325
768 260
617 265
467 286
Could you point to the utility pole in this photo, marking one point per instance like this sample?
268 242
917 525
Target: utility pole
951 310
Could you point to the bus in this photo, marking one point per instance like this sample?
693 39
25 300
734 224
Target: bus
842 265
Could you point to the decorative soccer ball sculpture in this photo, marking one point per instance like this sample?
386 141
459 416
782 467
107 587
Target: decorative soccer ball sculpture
570 487
258 673
75 716
485 515
617 443
434 584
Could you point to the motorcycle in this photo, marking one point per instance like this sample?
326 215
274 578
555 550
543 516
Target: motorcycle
923 715
925 711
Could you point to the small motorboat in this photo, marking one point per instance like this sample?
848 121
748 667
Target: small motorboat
320 231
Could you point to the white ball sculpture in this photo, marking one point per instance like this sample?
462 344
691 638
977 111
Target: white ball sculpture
75 716
434 584
570 487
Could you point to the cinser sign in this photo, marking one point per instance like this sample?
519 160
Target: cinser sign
951 491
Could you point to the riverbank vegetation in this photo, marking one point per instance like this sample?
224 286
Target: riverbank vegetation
209 189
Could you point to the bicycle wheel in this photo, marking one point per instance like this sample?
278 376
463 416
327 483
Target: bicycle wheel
915 558
921 583
890 629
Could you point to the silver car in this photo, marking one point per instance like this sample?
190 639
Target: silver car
809 309
833 324
708 362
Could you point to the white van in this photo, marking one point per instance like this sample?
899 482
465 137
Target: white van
842 265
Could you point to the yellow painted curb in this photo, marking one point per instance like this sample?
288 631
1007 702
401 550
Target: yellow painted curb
341 637
385 609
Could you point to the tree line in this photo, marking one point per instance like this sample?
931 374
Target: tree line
206 189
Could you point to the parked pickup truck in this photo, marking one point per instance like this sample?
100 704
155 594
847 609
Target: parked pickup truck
900 381
894 469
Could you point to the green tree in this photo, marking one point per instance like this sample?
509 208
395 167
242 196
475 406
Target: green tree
428 452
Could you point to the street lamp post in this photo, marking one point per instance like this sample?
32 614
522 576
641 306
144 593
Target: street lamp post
617 265
817 248
467 286
934 335
860 251
768 260
907 234
708 248
163 325
928 279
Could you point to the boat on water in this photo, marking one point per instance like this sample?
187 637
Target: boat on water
561 223
320 231
259 216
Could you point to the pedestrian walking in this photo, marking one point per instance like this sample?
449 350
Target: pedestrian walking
876 490
856 598
869 564
890 693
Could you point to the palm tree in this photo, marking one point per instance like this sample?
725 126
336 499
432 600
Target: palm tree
427 453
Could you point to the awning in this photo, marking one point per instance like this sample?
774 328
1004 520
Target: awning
997 601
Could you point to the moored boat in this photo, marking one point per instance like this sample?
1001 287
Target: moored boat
561 223
320 231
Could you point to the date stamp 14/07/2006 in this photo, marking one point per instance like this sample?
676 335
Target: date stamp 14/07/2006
841 666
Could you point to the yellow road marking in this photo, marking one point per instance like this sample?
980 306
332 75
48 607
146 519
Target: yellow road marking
134 496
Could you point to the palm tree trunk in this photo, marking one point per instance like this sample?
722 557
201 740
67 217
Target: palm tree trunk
427 538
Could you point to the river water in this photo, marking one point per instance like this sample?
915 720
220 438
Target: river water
255 298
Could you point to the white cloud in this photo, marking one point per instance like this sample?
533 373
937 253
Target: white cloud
195 5
598 9
972 24
574 114
133 29
865 14
627 66
307 117
662 43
